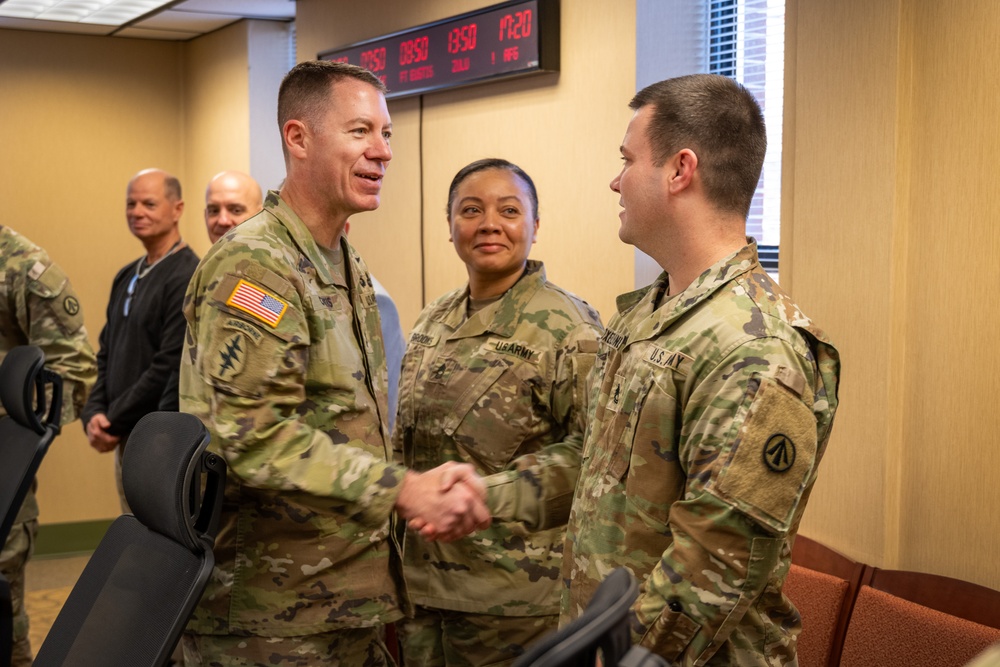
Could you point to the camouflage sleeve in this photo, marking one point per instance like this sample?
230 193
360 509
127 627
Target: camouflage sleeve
53 320
248 381
537 488
748 446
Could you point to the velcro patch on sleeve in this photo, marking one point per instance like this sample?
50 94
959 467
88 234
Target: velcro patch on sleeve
772 458
259 304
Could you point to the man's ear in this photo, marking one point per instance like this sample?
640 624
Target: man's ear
681 169
295 136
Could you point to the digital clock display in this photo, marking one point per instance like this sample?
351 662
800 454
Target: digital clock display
510 39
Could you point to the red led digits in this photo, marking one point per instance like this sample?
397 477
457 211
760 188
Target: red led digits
414 50
373 60
516 25
462 39
516 39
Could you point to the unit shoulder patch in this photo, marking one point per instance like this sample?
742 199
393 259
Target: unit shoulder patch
772 459
230 357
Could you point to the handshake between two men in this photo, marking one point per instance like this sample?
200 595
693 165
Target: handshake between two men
445 503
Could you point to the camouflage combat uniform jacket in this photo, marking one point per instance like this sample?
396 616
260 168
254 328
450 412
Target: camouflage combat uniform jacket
284 363
39 307
710 415
504 390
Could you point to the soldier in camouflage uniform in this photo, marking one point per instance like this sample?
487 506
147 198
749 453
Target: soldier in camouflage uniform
284 364
713 397
38 307
495 375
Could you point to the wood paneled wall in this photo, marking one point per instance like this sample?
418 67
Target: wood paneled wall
889 228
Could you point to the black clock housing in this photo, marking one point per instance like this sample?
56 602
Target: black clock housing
500 41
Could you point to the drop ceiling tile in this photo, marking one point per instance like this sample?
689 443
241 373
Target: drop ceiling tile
187 21
55 26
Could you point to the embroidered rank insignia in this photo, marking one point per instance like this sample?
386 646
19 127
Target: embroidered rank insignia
254 301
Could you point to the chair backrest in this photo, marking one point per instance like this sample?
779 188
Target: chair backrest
914 619
26 432
28 429
139 588
603 626
822 584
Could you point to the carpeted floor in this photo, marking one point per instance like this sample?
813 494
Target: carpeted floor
47 584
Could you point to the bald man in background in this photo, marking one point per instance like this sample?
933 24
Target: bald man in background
230 198
144 332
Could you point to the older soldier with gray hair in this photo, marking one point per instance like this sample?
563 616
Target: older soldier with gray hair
38 306
715 397
285 365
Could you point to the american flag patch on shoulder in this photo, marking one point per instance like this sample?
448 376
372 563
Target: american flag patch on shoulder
252 300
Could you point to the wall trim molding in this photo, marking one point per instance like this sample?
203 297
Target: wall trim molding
56 540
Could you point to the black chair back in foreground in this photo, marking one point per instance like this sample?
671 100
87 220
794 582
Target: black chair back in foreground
603 626
133 599
28 429
25 435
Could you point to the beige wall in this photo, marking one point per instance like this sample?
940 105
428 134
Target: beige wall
890 237
78 116
564 130
217 118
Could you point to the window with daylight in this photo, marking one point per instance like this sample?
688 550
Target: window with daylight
742 39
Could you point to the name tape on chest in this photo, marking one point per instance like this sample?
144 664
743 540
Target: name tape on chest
677 361
614 339
423 339
254 301
513 349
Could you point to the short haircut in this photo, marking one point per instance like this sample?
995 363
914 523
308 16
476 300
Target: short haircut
491 163
172 187
721 122
306 87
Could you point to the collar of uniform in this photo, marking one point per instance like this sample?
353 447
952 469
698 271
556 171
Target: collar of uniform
303 239
500 318
641 303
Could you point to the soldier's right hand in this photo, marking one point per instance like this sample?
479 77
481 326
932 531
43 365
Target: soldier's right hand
446 503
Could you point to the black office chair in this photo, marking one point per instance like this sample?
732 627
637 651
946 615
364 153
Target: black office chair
135 596
25 435
603 626
28 429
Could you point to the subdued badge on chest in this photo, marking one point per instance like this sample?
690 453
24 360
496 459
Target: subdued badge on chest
675 361
368 298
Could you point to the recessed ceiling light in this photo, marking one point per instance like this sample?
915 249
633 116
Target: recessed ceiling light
101 12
